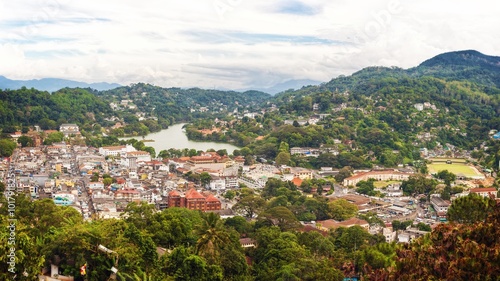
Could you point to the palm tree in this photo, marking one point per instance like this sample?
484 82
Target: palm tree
139 276
212 237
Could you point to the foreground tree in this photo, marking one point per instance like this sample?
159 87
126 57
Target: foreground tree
212 237
470 209
450 252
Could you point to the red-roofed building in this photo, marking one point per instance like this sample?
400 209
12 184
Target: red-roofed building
193 200
128 194
212 203
240 160
485 192
175 199
206 162
297 181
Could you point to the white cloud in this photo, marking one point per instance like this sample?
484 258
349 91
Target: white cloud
232 43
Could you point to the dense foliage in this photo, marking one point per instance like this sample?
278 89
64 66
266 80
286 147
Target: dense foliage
451 252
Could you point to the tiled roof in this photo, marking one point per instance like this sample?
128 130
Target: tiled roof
487 189
297 181
174 193
211 198
193 194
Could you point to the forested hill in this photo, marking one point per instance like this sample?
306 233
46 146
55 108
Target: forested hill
140 108
180 103
460 111
462 65
460 86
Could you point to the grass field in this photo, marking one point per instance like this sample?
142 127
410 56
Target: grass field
468 171
381 184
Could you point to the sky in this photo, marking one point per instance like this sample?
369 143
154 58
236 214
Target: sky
233 44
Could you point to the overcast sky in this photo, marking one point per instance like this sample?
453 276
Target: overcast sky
233 43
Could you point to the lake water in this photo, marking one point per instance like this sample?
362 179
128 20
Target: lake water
175 137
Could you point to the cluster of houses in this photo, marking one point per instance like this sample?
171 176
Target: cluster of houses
104 180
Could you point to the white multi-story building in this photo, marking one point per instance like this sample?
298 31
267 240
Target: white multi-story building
116 151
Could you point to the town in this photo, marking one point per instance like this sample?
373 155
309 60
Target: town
101 182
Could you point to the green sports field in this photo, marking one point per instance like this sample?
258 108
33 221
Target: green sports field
456 169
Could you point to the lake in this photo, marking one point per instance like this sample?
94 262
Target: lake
175 137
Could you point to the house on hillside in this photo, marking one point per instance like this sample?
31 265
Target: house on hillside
69 129
485 192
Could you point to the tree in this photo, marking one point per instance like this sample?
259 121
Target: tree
212 237
379 256
107 181
249 160
53 137
418 184
249 204
470 209
398 225
25 141
147 248
222 152
230 194
205 179
450 252
183 265
446 176
23 260
281 217
284 147
239 224
366 187
174 226
343 174
424 227
353 238
283 158
446 193
7 147
150 150
341 209
139 214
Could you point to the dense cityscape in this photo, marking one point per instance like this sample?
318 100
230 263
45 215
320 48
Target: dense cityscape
94 200
231 140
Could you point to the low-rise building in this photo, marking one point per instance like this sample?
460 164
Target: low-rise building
326 225
440 206
485 192
377 175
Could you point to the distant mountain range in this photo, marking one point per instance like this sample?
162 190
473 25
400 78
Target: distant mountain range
468 65
53 84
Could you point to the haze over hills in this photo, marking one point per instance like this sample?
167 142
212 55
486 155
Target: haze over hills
468 65
53 84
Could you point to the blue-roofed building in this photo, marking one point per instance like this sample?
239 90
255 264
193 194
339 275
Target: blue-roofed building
496 136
